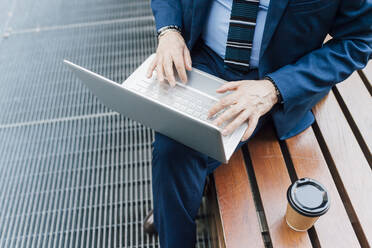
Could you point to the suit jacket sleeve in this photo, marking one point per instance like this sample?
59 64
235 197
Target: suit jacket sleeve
315 73
167 12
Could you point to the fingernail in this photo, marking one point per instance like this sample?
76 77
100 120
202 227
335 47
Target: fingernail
224 132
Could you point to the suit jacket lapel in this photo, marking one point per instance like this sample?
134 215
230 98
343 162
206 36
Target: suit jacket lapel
199 10
275 12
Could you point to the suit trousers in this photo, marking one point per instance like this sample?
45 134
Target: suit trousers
179 172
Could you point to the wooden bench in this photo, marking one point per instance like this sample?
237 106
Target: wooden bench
248 200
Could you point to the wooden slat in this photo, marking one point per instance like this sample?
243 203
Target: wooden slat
333 229
368 72
349 161
238 213
273 181
359 103
214 219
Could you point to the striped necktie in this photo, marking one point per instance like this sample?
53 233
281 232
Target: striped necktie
240 36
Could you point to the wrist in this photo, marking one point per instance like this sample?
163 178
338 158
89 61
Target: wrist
269 92
169 33
168 29
279 98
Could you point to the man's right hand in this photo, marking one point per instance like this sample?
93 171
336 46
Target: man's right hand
172 50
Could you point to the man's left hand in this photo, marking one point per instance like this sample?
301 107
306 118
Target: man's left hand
249 100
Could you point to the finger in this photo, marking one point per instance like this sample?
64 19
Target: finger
252 124
180 67
168 68
160 72
229 86
222 103
187 58
151 68
237 122
228 114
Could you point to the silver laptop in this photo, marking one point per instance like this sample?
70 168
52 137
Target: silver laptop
179 113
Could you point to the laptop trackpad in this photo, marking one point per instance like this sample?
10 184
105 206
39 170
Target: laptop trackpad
204 82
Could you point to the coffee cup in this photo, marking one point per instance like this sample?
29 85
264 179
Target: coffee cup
307 201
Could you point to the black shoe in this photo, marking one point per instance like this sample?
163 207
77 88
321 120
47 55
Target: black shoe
148 224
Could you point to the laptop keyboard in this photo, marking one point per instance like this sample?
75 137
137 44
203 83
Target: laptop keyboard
181 97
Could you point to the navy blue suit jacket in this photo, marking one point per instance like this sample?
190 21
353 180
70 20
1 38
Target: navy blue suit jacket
292 52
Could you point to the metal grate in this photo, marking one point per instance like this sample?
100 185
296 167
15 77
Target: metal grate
37 86
4 12
78 183
30 14
73 173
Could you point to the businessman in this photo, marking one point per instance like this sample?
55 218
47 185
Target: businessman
277 67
